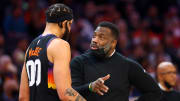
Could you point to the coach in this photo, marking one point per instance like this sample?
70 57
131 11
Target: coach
102 74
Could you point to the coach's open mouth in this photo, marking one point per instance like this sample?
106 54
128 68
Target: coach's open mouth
93 47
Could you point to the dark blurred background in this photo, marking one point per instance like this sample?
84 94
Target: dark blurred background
149 32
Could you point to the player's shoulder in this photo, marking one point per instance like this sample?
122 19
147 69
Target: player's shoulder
57 43
58 46
60 41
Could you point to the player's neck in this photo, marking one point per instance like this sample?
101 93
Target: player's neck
53 29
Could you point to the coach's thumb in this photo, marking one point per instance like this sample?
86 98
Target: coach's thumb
106 77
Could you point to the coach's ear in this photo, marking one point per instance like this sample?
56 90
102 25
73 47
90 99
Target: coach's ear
114 43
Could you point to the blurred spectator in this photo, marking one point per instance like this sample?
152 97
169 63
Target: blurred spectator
34 17
14 24
90 11
123 40
18 55
10 90
2 42
167 77
133 17
86 28
6 65
82 34
154 19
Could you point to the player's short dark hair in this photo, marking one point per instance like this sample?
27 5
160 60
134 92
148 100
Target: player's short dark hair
58 13
112 27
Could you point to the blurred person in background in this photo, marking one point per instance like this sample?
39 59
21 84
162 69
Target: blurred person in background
10 89
8 71
123 40
84 36
167 77
18 55
14 23
7 67
2 43
34 17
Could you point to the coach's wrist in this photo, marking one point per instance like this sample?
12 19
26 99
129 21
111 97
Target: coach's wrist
90 87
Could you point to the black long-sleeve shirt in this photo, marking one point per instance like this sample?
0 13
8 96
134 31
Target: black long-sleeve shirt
170 96
124 72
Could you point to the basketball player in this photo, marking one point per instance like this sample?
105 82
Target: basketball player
46 73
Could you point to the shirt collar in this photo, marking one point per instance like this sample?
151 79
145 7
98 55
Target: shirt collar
162 88
112 53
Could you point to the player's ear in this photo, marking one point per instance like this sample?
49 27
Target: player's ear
69 23
60 24
64 23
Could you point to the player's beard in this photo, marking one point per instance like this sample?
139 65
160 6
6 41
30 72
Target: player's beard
66 33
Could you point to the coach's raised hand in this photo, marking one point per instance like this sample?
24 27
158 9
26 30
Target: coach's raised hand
98 86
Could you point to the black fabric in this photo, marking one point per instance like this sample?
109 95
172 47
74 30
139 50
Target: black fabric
41 92
123 71
171 96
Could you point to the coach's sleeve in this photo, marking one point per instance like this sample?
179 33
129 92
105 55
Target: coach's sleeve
144 83
77 76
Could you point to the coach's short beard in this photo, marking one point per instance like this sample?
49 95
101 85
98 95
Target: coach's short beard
101 52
